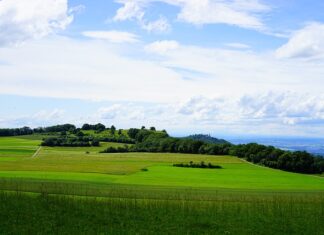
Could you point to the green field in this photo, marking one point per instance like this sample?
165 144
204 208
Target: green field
240 198
86 164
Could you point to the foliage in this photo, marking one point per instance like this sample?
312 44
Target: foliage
207 139
79 141
97 127
16 131
116 149
202 164
57 128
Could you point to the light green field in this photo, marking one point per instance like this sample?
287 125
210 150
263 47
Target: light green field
10 147
76 165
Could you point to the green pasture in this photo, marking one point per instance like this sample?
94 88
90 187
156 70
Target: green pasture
11 147
87 165
80 191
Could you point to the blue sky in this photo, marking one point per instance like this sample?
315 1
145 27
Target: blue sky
223 67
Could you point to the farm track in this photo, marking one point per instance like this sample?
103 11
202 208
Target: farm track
37 152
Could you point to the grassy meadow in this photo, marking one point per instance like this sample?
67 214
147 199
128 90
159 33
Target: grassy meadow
63 190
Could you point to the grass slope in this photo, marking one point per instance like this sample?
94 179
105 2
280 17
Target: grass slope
70 191
11 147
87 165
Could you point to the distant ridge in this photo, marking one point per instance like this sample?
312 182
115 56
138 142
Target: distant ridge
207 138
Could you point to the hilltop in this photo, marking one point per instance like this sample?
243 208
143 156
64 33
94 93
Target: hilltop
207 139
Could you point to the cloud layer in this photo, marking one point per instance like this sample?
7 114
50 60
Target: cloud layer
242 13
21 20
112 36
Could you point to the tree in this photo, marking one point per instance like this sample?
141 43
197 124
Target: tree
112 129
152 128
95 143
99 127
86 127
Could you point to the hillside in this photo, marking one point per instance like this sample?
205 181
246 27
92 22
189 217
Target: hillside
207 139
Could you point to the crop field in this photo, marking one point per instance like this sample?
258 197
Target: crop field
69 188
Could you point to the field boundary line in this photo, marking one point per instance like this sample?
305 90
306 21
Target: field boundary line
37 152
316 176
250 163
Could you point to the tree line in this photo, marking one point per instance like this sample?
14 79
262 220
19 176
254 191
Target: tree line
38 130
79 141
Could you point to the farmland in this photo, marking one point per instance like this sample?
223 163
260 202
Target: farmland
135 192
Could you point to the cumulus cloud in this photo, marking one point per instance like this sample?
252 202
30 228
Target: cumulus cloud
112 36
280 113
21 20
130 10
305 43
134 10
242 13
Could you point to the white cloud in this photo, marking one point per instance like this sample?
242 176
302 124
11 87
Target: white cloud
162 47
95 69
242 13
213 99
271 113
239 13
40 118
236 45
46 115
159 26
305 43
112 36
111 112
130 10
134 10
21 20
90 69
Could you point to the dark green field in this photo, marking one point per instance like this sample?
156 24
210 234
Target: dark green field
67 190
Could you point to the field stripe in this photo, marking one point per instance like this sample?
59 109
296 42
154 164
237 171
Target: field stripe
37 151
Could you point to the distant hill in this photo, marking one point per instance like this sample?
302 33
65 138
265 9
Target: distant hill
208 139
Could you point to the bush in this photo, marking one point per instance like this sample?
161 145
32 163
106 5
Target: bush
198 165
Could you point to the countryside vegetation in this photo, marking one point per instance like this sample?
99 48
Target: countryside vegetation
103 180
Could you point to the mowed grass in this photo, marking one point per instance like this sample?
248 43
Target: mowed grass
12 147
89 166
79 191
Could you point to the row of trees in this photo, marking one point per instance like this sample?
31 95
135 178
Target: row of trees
39 130
197 165
70 142
16 131
56 129
300 161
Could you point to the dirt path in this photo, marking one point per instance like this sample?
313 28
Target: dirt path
37 152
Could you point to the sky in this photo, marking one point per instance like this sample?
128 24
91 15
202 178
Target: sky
219 67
